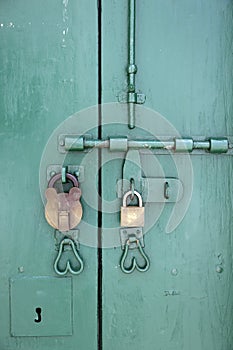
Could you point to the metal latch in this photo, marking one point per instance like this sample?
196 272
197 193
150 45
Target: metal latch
68 143
155 190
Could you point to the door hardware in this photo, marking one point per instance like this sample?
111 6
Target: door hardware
127 232
123 144
72 234
132 222
67 242
132 239
39 318
132 216
76 170
166 190
131 97
155 190
63 211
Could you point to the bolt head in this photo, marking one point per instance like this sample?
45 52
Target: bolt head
52 173
174 272
219 269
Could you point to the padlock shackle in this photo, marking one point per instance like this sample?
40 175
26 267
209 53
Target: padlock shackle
57 177
129 193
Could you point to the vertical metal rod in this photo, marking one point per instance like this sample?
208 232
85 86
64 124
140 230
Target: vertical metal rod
131 46
132 68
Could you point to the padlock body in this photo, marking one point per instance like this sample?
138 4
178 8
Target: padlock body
63 211
132 216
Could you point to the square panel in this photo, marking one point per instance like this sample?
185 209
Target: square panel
41 306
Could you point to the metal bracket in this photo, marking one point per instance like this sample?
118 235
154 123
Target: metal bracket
76 141
163 145
132 97
72 234
76 170
131 233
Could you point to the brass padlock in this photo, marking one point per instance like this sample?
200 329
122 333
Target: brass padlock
63 211
132 216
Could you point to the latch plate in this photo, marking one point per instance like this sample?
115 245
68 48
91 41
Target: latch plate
76 170
135 232
153 189
132 97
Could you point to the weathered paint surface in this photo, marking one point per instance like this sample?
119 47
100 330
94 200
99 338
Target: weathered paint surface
184 59
48 60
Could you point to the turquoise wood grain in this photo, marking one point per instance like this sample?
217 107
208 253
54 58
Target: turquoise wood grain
184 59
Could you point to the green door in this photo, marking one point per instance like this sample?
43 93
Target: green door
184 59
49 65
166 285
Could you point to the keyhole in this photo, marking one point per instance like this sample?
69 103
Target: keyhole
38 311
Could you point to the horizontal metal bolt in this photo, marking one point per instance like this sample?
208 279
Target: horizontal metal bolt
183 145
218 145
118 144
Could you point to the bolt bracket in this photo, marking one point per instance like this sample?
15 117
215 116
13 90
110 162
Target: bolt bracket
131 233
132 97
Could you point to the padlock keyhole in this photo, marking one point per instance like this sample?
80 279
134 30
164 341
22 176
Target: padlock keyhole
38 311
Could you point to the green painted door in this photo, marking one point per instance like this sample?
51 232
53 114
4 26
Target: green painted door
49 65
184 59
62 57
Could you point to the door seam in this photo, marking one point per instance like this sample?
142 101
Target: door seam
99 254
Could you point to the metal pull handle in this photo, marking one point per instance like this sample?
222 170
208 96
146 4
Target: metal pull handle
134 265
68 268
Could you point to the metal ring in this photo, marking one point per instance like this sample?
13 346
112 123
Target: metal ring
57 177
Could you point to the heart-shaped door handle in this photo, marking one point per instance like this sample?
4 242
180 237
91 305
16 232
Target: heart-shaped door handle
134 265
68 268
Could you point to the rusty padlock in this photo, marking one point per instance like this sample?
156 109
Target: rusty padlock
63 211
132 216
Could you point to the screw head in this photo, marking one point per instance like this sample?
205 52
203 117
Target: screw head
174 272
52 173
219 269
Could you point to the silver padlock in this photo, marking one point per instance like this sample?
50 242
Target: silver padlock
132 216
